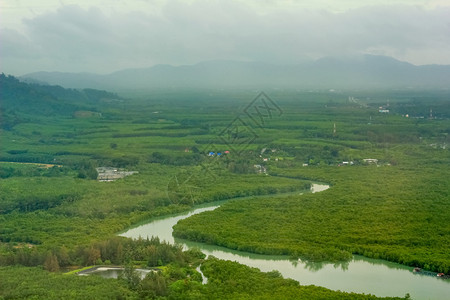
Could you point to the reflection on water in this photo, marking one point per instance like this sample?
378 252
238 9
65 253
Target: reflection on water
361 275
317 266
342 265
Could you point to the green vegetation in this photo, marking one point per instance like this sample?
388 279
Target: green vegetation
406 224
226 280
34 283
230 280
55 215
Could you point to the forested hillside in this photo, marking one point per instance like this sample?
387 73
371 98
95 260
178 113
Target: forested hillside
19 99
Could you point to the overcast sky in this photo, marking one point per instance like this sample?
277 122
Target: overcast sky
103 36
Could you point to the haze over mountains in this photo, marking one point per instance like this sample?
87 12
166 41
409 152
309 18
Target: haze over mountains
362 72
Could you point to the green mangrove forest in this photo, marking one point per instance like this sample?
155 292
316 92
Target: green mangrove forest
79 166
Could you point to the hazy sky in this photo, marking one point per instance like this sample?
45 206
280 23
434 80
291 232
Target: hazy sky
103 36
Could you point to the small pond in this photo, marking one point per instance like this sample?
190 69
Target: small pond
111 272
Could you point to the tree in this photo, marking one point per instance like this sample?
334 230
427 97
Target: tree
63 256
131 276
93 254
51 263
153 285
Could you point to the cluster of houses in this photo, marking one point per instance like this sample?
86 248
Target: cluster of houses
106 174
383 110
260 169
368 161
346 163
211 153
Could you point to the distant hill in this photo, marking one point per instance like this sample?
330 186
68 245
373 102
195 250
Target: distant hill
366 71
19 99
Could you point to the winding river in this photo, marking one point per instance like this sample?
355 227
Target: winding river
360 275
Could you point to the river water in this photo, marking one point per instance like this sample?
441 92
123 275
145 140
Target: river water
360 275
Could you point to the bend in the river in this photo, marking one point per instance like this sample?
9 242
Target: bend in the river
361 275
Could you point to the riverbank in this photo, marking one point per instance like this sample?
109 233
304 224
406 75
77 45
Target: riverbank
360 275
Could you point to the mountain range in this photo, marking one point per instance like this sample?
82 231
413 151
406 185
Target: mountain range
361 72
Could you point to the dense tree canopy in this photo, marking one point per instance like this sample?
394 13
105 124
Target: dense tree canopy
192 147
